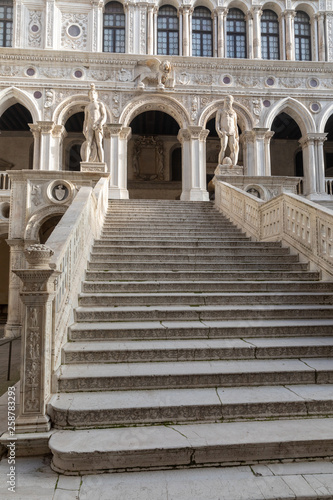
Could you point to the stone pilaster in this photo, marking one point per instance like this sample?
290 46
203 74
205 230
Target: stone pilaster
249 23
50 24
256 13
129 19
320 17
309 164
290 38
193 140
150 29
186 12
37 295
58 134
97 25
35 130
116 139
17 24
221 14
247 141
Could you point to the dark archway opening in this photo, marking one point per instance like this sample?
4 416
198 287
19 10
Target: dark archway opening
328 148
47 228
286 156
73 142
154 157
16 140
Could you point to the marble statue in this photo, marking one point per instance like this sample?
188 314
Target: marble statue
227 130
94 119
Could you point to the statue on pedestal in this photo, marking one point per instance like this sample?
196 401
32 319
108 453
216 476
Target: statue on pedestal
227 130
94 119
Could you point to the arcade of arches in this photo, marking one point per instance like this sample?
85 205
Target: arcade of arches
155 149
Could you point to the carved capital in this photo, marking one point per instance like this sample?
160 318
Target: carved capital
45 127
113 128
59 131
125 133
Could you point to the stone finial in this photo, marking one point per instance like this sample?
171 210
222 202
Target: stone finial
38 256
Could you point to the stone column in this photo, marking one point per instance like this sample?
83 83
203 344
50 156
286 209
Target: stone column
221 16
129 20
17 24
58 135
37 296
45 156
193 140
328 38
309 164
186 13
261 141
267 139
247 141
320 174
97 25
257 13
35 130
13 326
50 24
116 140
150 30
321 36
290 38
282 33
249 22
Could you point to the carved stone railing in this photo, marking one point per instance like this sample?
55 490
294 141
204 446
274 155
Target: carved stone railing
329 186
4 181
297 222
50 292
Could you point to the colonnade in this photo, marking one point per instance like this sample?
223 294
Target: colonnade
48 139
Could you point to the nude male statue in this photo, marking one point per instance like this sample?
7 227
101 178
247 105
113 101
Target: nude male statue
94 119
227 130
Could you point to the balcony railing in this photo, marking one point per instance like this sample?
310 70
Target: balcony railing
5 183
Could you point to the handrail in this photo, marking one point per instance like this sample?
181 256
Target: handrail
298 222
71 242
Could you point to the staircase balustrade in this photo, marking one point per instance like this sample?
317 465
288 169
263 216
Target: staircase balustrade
50 292
5 183
305 226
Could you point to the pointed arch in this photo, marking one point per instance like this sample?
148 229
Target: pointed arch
165 104
296 110
13 95
325 115
244 117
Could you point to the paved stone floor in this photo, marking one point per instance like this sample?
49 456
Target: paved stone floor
302 481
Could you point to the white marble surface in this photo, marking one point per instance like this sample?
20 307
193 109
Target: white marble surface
297 481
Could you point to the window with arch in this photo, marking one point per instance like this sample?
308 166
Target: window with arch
236 34
114 28
302 37
270 35
202 32
167 31
6 23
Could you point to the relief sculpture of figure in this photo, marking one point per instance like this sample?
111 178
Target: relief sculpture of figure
227 130
94 119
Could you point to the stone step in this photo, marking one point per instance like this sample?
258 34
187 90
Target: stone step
107 409
170 233
213 275
200 329
191 244
164 220
196 350
158 266
156 447
187 298
189 374
201 313
159 287
162 240
250 256
168 225
187 251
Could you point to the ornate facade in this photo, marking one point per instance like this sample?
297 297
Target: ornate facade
163 69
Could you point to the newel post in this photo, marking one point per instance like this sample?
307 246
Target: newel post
37 295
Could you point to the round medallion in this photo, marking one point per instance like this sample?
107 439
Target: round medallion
74 30
37 94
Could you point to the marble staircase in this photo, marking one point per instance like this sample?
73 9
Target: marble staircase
192 346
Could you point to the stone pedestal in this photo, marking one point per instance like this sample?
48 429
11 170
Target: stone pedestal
87 166
227 169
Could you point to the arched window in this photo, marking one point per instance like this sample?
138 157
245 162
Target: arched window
114 28
302 37
167 31
269 35
236 34
6 23
202 32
